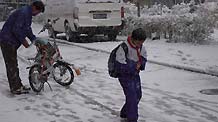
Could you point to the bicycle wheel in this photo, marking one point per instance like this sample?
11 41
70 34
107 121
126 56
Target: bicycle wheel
63 74
36 83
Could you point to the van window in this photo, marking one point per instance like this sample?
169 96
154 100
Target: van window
99 1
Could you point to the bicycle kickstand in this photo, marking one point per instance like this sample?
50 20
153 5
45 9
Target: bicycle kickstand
49 86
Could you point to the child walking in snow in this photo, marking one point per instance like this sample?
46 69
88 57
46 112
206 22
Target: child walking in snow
129 65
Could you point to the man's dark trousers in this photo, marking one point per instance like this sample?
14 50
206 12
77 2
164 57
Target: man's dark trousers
10 57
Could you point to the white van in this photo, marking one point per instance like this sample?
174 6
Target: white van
91 17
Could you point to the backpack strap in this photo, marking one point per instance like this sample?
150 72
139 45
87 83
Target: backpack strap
125 48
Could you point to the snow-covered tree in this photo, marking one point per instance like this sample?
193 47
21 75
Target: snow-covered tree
183 23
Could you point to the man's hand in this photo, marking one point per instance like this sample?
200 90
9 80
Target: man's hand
25 43
138 66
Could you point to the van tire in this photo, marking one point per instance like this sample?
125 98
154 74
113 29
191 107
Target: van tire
68 32
90 35
112 36
52 33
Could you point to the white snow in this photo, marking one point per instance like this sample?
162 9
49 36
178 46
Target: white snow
116 1
169 95
182 54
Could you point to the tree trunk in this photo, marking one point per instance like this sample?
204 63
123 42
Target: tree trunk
138 6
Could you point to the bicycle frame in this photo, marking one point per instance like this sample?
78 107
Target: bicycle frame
44 62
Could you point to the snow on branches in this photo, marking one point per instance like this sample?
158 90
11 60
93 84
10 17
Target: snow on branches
182 23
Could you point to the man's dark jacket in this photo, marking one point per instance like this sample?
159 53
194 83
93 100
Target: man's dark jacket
18 27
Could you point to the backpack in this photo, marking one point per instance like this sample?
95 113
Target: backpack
112 70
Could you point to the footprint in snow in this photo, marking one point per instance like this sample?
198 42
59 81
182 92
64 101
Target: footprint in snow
179 51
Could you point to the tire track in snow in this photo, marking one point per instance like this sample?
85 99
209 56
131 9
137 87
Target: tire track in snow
181 99
113 112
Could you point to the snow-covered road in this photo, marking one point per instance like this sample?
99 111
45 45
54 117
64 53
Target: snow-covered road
169 95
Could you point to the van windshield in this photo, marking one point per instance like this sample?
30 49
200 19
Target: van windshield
99 1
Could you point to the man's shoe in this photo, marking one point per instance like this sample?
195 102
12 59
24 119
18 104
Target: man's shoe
21 90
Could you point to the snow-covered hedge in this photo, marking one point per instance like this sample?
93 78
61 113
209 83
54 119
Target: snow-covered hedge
182 23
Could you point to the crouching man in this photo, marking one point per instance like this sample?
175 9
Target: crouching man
12 36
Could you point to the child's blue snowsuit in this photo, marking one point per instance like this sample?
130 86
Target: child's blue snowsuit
129 79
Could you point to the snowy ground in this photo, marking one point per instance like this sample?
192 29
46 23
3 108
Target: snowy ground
169 95
201 57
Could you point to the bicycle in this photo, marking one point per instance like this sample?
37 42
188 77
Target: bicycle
49 62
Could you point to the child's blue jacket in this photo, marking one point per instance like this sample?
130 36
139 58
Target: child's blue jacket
126 66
